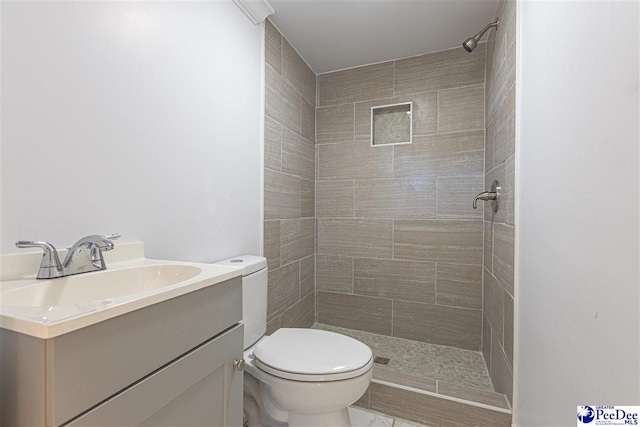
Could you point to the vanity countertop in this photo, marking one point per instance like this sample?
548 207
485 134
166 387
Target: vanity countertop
46 308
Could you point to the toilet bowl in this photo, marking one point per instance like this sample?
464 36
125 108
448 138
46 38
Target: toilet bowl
296 377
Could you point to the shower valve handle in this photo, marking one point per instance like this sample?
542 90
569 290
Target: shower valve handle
492 195
485 196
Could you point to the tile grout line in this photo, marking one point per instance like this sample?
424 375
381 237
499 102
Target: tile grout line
353 275
394 78
435 285
393 238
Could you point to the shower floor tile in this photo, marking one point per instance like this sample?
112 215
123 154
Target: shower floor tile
423 365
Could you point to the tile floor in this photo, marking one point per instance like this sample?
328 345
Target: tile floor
423 360
361 418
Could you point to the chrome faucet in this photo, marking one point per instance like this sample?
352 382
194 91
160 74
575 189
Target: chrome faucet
484 196
492 195
84 256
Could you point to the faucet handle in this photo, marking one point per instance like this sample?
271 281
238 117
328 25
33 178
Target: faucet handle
30 244
108 239
50 266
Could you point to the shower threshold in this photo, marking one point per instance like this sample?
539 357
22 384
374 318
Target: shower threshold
435 371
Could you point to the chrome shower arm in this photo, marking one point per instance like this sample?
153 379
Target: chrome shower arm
485 29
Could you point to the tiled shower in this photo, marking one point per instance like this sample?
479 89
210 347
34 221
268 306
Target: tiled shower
382 241
400 248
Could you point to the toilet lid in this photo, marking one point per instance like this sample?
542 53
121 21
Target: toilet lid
312 352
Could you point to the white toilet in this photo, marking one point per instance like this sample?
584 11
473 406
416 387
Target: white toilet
295 377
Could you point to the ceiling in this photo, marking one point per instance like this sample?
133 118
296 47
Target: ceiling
335 34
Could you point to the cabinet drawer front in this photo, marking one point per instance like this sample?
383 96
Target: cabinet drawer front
202 388
87 366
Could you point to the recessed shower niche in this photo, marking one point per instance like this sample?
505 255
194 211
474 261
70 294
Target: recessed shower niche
391 124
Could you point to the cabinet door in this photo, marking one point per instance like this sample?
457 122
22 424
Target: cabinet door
201 388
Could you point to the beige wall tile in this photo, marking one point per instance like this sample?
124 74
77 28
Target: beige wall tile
459 285
354 160
509 190
334 199
500 372
281 195
289 182
298 73
272 144
298 155
488 152
307 275
355 312
491 54
300 314
392 376
508 327
335 123
493 305
473 394
440 70
307 198
273 325
297 238
488 245
455 196
272 243
273 46
424 113
437 155
396 198
317 163
503 248
432 410
282 102
501 130
461 109
356 237
283 289
356 84
501 58
308 113
456 327
454 241
395 279
334 273
316 245
486 341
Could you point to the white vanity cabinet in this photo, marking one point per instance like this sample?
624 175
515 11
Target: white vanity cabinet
167 364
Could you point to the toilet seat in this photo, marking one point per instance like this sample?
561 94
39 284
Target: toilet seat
312 355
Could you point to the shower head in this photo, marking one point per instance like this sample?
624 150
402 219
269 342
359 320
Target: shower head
471 43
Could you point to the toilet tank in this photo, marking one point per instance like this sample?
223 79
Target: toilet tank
254 295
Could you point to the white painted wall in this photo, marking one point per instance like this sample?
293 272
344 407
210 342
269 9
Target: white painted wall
578 209
141 118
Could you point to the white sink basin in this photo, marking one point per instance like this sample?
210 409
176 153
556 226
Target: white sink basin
99 286
49 308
